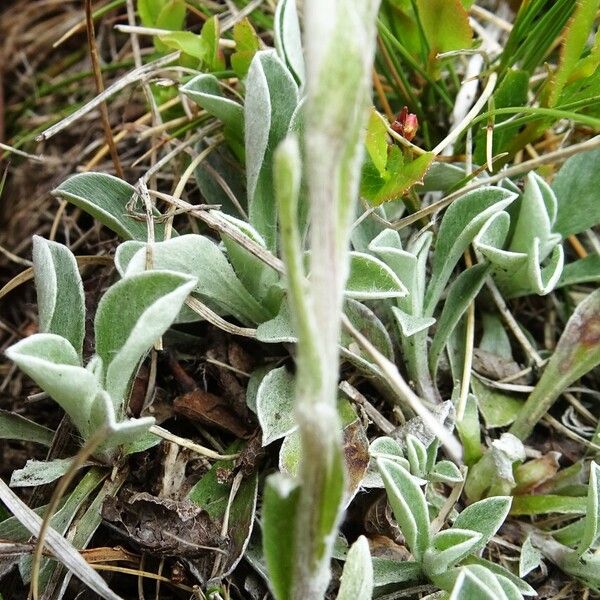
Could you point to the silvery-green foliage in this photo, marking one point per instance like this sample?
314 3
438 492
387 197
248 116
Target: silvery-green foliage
131 315
526 256
357 578
61 301
201 258
107 199
271 98
288 40
444 556
461 222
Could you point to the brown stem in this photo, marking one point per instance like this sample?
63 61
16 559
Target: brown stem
95 60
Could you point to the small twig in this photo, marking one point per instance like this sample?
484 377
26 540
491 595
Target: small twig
95 61
405 393
386 426
464 124
212 317
185 443
520 169
512 323
79 460
121 83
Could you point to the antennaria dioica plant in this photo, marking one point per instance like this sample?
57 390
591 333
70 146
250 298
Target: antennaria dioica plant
285 146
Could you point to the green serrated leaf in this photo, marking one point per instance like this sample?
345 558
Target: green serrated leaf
247 44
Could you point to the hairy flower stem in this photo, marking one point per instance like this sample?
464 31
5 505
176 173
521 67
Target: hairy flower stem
340 43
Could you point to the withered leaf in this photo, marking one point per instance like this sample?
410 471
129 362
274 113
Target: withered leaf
162 525
210 410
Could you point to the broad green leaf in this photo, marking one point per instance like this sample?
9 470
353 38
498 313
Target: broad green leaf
201 258
530 558
212 493
357 577
40 472
577 352
494 338
367 322
54 365
214 60
447 548
271 98
106 198
485 517
497 408
376 142
461 223
187 42
445 24
592 513
242 515
461 293
288 40
171 15
585 270
247 44
279 512
574 40
131 316
408 504
372 279
275 405
61 301
398 178
16 427
576 189
469 431
149 10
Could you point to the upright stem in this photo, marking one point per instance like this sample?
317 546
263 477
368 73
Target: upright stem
339 43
